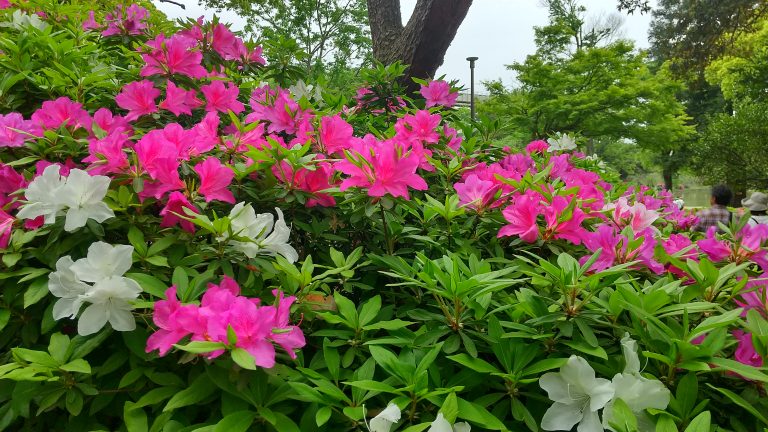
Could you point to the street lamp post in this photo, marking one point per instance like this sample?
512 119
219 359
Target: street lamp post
472 86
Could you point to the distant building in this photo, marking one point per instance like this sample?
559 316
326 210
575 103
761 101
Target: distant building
463 99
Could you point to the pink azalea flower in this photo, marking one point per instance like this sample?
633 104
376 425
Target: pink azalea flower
615 249
227 45
10 182
109 123
419 127
62 112
174 321
745 351
204 136
476 194
454 140
538 146
676 243
312 182
161 161
564 224
107 155
438 93
221 98
176 55
636 216
6 228
716 250
381 167
5 4
133 23
335 134
755 297
90 23
41 165
175 206
522 215
215 178
290 338
179 101
15 131
138 98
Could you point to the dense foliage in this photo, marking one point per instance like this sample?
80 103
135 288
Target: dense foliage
191 246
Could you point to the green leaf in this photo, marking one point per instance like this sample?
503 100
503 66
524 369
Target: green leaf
155 396
475 364
544 365
35 357
200 389
388 325
135 418
239 421
714 322
199 347
5 316
158 260
323 415
77 365
161 245
477 414
702 423
231 335
624 419
37 291
149 283
746 371
370 310
375 386
243 358
587 349
332 360
450 408
738 400
58 347
136 239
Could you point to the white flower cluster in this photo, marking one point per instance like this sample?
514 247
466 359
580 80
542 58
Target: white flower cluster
79 194
391 414
259 234
562 142
578 395
96 279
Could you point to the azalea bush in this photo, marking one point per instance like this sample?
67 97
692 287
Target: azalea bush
201 245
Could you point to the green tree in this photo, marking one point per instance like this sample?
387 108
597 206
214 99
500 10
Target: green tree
332 34
742 74
732 149
596 90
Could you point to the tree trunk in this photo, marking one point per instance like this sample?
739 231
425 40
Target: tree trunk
423 41
667 173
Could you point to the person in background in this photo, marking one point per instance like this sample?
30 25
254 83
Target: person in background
757 204
720 197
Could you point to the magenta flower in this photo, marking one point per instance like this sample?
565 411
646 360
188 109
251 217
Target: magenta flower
716 250
15 131
138 98
177 55
174 321
745 351
10 182
62 112
476 194
161 161
313 182
6 228
215 178
522 216
5 4
381 167
636 216
291 337
438 93
221 98
107 155
179 101
673 245
109 123
175 206
564 221
335 134
204 136
538 146
419 127
615 249
90 23
231 47
132 23
756 297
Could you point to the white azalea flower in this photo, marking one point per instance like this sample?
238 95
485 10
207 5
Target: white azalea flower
265 235
84 195
80 194
385 419
110 302
578 396
43 196
441 425
63 283
638 392
104 261
563 142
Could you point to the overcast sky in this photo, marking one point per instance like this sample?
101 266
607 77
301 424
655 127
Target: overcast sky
499 32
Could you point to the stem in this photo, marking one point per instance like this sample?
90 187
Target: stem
387 238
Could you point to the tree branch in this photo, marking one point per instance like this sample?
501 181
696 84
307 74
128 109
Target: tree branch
181 5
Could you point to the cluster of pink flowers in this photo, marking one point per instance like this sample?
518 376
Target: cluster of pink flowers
258 327
128 22
747 245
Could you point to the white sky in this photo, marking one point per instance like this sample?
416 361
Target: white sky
499 32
